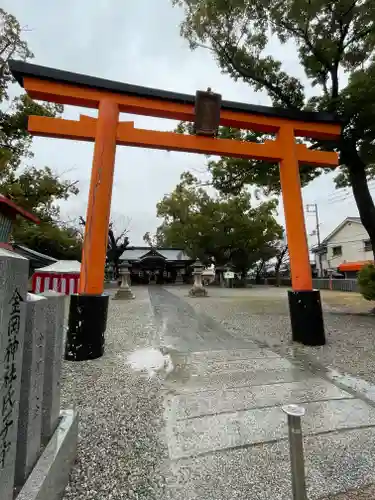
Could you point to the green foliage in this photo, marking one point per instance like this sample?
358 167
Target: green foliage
11 47
34 189
335 42
366 281
151 241
230 175
50 238
223 229
157 240
15 141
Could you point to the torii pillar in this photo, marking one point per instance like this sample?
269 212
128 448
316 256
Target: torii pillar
88 309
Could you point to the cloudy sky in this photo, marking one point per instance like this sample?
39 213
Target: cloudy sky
139 42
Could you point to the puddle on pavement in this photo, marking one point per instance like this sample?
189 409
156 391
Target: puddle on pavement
150 360
167 363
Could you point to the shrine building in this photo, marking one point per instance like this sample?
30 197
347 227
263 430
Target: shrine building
149 265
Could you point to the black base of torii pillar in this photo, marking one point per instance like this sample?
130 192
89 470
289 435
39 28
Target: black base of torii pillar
86 327
306 316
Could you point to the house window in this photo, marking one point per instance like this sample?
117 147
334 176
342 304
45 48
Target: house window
337 251
367 246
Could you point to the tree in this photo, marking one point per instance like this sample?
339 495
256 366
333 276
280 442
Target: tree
34 189
115 247
366 282
230 175
219 229
37 190
14 139
281 258
62 242
335 42
152 241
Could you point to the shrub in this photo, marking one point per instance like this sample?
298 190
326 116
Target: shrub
366 281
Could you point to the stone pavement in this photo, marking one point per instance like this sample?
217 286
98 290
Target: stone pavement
208 424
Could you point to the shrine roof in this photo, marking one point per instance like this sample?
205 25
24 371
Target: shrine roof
10 206
21 69
61 267
170 254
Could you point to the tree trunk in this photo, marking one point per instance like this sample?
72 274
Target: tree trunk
259 273
277 273
361 192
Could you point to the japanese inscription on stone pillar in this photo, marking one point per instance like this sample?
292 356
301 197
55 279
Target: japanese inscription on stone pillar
10 375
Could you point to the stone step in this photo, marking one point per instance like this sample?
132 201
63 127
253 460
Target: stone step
336 461
253 365
232 355
223 380
229 430
213 402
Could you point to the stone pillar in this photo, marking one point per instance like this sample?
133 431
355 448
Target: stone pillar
31 396
198 289
13 290
55 308
124 292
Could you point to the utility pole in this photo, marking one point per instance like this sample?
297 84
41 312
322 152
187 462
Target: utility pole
313 209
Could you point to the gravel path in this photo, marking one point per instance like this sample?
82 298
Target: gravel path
120 452
262 314
362 494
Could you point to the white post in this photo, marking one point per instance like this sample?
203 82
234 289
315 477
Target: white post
297 463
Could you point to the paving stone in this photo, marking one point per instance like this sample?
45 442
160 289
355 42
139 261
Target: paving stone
240 378
228 355
212 402
252 365
218 432
122 450
337 461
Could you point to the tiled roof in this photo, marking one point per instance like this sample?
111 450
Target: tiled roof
27 252
137 253
133 254
62 266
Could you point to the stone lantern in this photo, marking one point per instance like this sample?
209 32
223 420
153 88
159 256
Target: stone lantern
198 289
124 291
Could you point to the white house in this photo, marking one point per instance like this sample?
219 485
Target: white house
345 250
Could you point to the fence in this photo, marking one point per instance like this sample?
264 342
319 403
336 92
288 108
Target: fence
342 285
37 441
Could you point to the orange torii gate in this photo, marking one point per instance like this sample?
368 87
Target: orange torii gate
88 310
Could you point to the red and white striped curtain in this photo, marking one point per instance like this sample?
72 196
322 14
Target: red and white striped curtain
63 283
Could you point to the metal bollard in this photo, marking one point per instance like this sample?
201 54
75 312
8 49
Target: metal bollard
297 463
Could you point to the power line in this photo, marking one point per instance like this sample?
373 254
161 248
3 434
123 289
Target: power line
341 194
335 243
